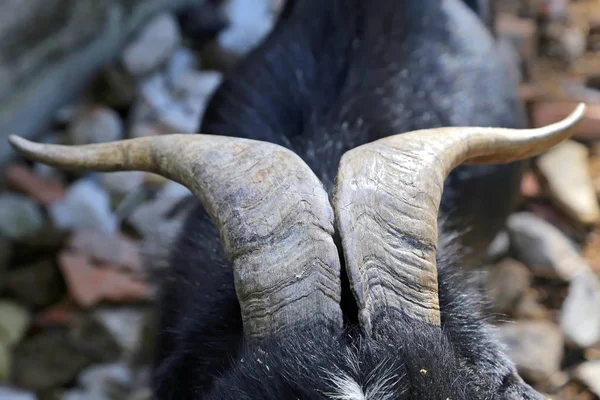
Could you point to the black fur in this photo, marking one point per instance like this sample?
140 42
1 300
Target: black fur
331 76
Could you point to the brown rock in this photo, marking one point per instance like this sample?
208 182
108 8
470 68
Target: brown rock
521 32
58 314
594 171
530 185
117 250
565 169
506 282
589 374
545 113
536 347
44 191
90 285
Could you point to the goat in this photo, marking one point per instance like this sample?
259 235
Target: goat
312 266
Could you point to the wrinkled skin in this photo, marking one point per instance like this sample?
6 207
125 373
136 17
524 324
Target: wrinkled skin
331 76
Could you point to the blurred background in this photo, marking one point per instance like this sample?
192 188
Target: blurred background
76 305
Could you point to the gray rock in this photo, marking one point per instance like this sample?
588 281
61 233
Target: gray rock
498 248
14 321
8 393
45 64
122 182
565 168
96 125
536 347
37 285
153 45
77 394
544 248
589 374
86 205
506 282
580 314
151 216
19 216
125 324
179 107
114 249
98 379
182 61
249 23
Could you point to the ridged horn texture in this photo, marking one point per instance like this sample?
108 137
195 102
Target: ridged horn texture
387 200
273 215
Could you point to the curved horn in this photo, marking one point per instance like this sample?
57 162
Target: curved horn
273 214
387 201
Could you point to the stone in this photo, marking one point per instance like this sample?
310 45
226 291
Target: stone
145 129
78 394
153 45
14 321
114 87
93 339
36 286
99 246
594 171
580 314
24 180
125 324
19 216
86 205
544 248
506 283
565 168
149 217
563 42
530 185
9 393
589 374
91 285
182 61
498 248
95 125
521 33
249 23
5 362
536 347
44 362
45 65
122 182
549 112
97 378
178 106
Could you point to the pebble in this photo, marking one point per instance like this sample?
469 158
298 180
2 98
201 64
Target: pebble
536 347
99 246
153 45
8 393
5 363
544 248
182 61
565 168
580 314
122 182
249 23
91 285
78 394
37 285
97 379
14 321
24 180
86 205
44 362
95 125
5 255
530 185
506 283
125 324
589 374
20 216
180 105
498 248
150 216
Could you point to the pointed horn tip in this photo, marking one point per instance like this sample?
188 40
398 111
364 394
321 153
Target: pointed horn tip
22 146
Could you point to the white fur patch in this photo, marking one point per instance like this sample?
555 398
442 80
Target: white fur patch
379 384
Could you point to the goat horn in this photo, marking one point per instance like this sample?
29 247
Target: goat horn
273 214
387 200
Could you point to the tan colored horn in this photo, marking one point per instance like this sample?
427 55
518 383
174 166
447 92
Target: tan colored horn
273 214
387 201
